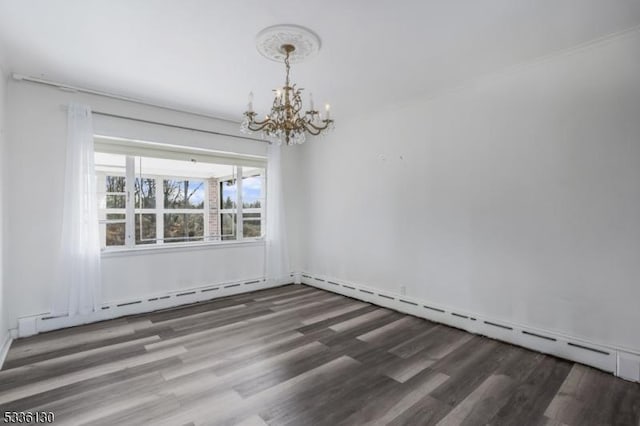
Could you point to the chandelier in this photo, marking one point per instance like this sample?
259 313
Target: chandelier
287 121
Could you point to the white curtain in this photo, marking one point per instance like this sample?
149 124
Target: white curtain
77 290
277 256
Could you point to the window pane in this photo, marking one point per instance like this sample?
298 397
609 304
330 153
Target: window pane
183 194
115 216
115 234
251 228
252 192
228 194
145 193
116 201
115 184
183 227
145 228
228 222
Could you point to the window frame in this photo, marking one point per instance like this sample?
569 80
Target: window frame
240 210
101 182
130 211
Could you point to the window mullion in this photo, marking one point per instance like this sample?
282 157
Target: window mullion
159 209
206 233
263 199
130 202
239 220
101 181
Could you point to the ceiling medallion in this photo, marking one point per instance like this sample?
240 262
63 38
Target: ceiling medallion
287 122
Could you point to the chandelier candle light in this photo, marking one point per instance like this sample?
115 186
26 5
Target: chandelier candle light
287 122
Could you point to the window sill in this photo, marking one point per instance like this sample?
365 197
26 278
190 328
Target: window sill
166 248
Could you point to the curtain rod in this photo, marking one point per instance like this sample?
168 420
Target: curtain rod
62 86
175 126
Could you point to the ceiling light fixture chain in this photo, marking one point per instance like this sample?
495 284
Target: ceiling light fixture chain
287 122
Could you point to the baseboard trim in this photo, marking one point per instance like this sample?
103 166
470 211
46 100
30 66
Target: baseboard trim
35 324
603 357
4 348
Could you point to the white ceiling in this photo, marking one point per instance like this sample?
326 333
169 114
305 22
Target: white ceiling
200 54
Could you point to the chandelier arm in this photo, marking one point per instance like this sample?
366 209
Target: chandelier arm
256 126
260 123
310 128
308 125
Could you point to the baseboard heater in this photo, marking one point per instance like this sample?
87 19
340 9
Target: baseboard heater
622 362
28 326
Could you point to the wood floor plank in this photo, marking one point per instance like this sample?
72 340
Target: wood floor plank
50 384
531 398
389 414
481 404
297 355
389 329
282 400
53 367
99 384
427 411
359 320
333 313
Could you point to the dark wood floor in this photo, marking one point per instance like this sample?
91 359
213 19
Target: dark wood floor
301 356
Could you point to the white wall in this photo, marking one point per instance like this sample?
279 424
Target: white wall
4 315
516 197
294 201
33 200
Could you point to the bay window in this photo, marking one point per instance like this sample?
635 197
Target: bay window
155 196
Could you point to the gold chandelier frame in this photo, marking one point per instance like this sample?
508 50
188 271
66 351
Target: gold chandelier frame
287 122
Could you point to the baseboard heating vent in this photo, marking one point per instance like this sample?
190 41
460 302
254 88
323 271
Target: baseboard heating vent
332 283
163 297
185 294
386 297
434 309
539 336
50 317
366 291
408 302
306 276
586 348
209 289
459 315
153 299
135 302
106 307
252 282
232 285
498 325
348 286
319 279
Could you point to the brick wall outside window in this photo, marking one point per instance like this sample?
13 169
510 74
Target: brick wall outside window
214 230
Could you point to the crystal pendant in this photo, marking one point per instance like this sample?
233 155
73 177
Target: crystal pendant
299 137
275 138
244 126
